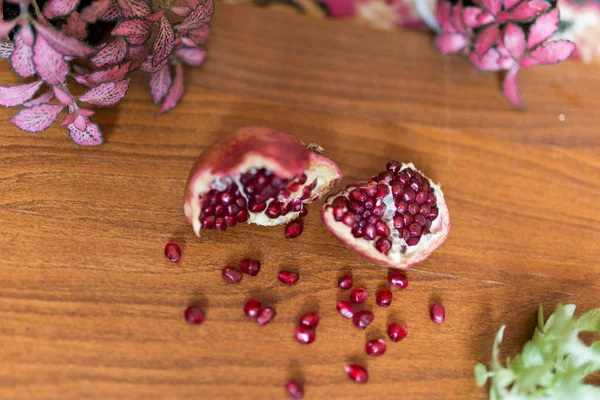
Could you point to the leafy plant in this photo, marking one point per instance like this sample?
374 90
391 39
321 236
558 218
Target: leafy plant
552 365
54 40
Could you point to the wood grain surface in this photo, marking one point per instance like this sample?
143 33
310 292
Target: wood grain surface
91 309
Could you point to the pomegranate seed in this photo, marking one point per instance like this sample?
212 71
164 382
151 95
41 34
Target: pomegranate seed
231 275
362 319
437 313
383 245
359 295
219 210
294 229
173 252
382 229
375 347
220 224
422 197
358 195
378 211
294 390
369 204
274 210
401 206
357 373
397 332
369 232
256 207
305 334
303 212
371 191
397 189
265 315
413 241
346 309
384 298
348 219
194 315
409 172
302 179
252 308
393 166
242 216
310 320
415 229
434 213
421 220
398 279
250 266
409 195
415 185
413 208
431 199
398 222
288 278
345 282
296 205
385 176
294 187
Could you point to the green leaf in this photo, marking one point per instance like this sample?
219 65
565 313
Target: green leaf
541 318
496 349
480 374
590 321
531 355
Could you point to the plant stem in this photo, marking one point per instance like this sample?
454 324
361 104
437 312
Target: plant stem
38 12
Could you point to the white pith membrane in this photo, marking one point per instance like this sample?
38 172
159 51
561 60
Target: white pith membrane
400 255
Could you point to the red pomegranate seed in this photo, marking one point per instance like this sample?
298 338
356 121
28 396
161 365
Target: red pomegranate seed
173 252
294 390
359 295
437 313
357 373
288 277
393 166
252 308
250 266
294 229
413 241
398 279
310 320
384 298
305 334
346 309
303 212
274 210
375 347
397 332
265 315
345 282
383 245
194 315
231 275
358 195
382 229
362 319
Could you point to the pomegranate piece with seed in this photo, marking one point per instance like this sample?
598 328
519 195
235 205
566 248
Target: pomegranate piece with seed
252 308
359 295
249 266
265 315
362 319
194 315
173 252
288 278
305 334
310 320
231 275
397 332
357 373
294 390
346 309
397 218
398 279
437 313
294 229
345 282
384 298
256 175
375 347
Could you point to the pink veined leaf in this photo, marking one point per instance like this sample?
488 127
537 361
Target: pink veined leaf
11 96
106 94
113 12
6 27
80 122
444 15
91 135
113 53
49 64
85 112
6 49
27 34
514 40
486 39
510 87
194 56
113 74
163 44
553 52
156 16
59 8
75 26
62 96
508 4
489 62
38 118
137 55
199 17
448 43
136 26
192 3
457 19
528 10
65 45
200 35
186 41
22 58
95 11
475 17
492 6
543 28
160 83
148 67
69 119
175 92
181 11
134 8
41 99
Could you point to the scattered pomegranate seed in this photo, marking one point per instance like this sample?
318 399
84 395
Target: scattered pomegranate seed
231 275
250 266
194 315
173 252
397 332
305 334
384 298
359 295
294 390
362 319
437 313
252 308
288 278
357 373
398 279
346 309
265 315
375 347
310 319
345 282
294 229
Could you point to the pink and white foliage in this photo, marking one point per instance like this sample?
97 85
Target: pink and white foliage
134 8
160 83
106 94
59 8
11 96
181 11
135 31
41 99
113 12
62 96
163 44
90 135
75 26
113 53
64 44
199 17
49 64
6 49
113 74
95 11
22 57
175 92
37 118
191 56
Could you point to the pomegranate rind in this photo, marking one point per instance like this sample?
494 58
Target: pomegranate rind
439 231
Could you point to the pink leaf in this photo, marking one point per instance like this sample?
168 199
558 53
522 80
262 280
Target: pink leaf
489 62
137 55
510 88
528 62
148 67
175 92
95 11
474 17
11 96
443 14
113 74
543 28
492 6
27 34
553 52
195 57
163 44
106 94
514 40
6 49
37 118
457 19
508 4
528 10
200 35
113 53
181 11
199 17
448 43
113 12
486 39
160 83
6 27
134 8
62 96
86 112
22 58
90 136
69 119
41 99
75 26
65 45
156 16
50 65
136 26
192 3
80 123
59 8
186 41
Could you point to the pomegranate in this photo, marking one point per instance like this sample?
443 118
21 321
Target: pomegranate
437 313
375 347
305 334
359 295
362 319
384 298
249 266
294 229
294 390
173 252
398 218
397 332
345 282
231 275
265 315
357 373
398 279
288 278
346 309
310 319
252 308
255 175
194 315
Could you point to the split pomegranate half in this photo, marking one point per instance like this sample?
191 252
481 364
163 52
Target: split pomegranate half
398 218
256 175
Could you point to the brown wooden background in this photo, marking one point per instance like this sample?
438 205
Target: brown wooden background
91 309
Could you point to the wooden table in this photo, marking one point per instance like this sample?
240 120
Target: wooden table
90 307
